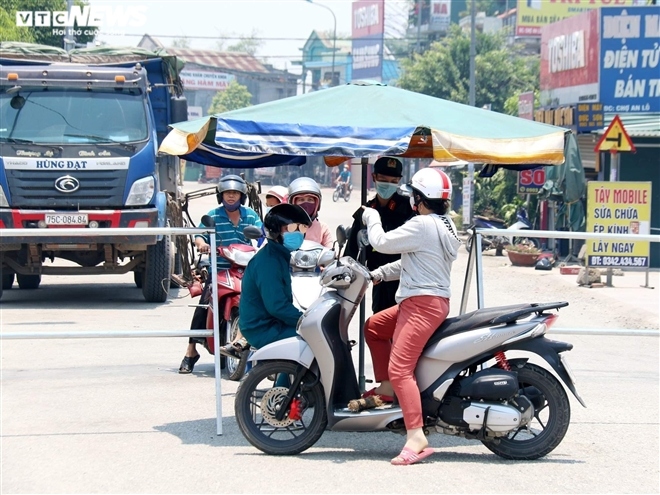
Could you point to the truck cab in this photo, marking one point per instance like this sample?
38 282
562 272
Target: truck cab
79 148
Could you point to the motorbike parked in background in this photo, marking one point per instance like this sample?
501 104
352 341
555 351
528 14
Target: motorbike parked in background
469 387
500 240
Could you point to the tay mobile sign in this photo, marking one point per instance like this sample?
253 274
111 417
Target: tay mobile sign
618 208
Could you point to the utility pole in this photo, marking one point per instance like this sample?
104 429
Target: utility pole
418 4
467 215
69 40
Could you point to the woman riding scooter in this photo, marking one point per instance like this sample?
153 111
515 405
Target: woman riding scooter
396 336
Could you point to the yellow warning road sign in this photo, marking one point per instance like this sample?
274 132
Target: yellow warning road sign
615 139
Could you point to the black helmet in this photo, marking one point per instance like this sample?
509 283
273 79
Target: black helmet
231 183
284 214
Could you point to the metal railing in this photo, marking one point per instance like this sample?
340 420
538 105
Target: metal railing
153 231
475 263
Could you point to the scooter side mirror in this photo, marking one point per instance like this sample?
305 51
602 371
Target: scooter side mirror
342 236
208 221
252 232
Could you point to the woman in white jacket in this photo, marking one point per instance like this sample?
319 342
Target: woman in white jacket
428 244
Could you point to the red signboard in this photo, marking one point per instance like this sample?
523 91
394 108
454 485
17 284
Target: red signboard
526 105
368 18
569 52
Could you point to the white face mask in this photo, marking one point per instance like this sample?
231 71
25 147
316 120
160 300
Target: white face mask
267 209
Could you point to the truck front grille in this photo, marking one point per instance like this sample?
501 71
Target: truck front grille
36 189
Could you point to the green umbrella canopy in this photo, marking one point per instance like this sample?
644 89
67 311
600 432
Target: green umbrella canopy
357 120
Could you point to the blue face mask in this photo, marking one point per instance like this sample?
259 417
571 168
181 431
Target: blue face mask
386 190
292 240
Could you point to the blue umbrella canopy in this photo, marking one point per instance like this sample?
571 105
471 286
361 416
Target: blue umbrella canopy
359 120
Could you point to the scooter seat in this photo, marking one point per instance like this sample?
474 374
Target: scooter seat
488 316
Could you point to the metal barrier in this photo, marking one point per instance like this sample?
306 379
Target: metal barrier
155 231
475 260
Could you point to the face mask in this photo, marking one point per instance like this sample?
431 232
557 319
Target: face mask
385 189
233 207
292 240
267 209
309 208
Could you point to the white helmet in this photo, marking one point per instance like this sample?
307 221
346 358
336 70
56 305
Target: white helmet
431 183
279 192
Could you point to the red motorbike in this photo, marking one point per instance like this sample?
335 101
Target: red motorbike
229 295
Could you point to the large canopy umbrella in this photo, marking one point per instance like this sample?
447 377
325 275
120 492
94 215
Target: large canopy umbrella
360 120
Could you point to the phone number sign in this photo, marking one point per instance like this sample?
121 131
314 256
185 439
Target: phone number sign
531 181
618 208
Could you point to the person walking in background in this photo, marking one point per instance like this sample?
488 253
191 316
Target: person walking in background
306 193
231 217
394 210
396 337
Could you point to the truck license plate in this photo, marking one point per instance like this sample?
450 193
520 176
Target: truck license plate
66 219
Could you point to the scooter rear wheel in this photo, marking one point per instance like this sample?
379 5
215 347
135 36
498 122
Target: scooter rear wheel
552 415
258 399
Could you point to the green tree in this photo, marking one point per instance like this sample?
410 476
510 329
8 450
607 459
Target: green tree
10 32
181 42
44 35
444 70
234 97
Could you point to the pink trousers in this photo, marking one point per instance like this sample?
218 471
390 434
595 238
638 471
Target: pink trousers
396 337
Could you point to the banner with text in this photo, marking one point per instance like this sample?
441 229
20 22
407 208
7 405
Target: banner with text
200 79
630 59
368 26
618 208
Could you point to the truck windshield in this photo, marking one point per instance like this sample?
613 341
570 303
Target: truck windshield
59 116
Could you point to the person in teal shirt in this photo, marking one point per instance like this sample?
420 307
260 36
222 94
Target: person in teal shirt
266 310
230 218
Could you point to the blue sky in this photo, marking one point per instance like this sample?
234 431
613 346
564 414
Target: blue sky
268 18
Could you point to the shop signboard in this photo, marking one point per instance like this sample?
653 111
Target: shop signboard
532 15
589 117
526 105
368 25
440 15
618 208
205 80
569 60
630 59
531 181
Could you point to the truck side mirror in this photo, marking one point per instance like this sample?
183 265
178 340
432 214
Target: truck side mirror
178 109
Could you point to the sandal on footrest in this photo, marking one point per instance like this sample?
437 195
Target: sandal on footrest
188 364
234 349
384 398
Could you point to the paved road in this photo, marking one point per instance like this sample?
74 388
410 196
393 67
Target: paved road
113 415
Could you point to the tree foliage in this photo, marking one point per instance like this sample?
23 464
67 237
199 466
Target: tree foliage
44 35
234 97
444 70
245 44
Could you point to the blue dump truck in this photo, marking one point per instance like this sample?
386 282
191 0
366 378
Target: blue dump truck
79 137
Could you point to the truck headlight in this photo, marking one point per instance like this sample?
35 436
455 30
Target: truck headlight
3 199
141 192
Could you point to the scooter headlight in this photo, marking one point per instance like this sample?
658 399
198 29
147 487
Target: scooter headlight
306 259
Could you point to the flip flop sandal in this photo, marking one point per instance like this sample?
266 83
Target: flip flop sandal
409 456
234 349
188 364
372 392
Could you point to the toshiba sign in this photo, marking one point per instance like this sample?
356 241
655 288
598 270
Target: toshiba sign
566 52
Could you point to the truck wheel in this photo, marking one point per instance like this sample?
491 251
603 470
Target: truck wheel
28 282
158 270
137 278
7 280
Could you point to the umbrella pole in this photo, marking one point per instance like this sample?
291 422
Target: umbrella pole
364 162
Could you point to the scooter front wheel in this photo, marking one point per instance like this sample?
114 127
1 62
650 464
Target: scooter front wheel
236 367
258 400
335 196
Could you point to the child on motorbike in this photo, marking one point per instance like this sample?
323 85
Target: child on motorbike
428 244
275 196
266 310
306 193
231 217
